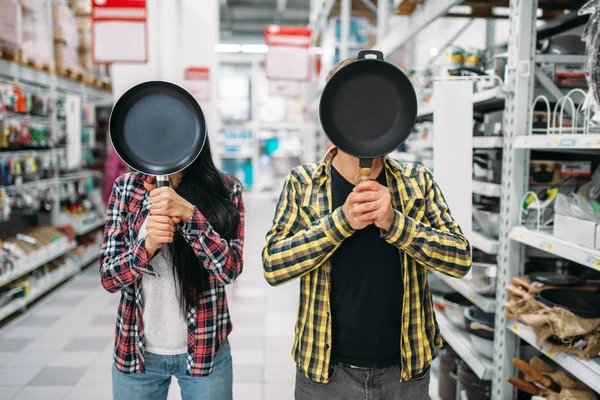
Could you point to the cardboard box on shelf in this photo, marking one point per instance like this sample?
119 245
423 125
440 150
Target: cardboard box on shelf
11 34
582 232
66 39
37 34
551 173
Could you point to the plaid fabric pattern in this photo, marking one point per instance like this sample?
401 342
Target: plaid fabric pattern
306 232
123 261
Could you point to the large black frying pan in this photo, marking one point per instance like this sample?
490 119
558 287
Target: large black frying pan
157 128
581 303
368 108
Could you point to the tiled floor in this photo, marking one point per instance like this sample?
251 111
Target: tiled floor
62 347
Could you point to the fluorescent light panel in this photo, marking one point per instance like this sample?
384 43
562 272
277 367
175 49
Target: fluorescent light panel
228 48
255 48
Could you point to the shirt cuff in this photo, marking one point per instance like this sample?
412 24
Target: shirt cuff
402 231
193 226
337 227
141 263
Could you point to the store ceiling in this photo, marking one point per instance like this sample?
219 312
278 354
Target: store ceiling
245 20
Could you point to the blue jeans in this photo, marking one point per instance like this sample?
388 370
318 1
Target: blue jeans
154 384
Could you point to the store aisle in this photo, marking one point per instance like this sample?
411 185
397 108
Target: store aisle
62 347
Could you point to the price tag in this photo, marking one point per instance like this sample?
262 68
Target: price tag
597 263
521 236
567 142
453 284
597 144
516 328
556 143
549 246
474 298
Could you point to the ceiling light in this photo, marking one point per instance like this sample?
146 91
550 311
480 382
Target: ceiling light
255 48
227 48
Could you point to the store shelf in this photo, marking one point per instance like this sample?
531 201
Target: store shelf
5 155
558 142
559 247
408 27
434 386
51 281
561 58
588 371
30 185
461 344
319 17
486 304
85 227
36 259
80 175
488 100
12 308
487 188
425 111
488 142
480 241
90 255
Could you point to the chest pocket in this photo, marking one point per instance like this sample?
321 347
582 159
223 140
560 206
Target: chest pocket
415 209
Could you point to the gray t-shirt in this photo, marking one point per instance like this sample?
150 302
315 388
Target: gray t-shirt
165 328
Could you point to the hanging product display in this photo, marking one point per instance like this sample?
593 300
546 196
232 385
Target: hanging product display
119 31
288 57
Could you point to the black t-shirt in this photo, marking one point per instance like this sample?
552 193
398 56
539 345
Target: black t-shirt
366 293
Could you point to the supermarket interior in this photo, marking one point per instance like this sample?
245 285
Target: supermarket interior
493 108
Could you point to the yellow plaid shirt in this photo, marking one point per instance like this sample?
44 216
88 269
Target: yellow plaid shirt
306 232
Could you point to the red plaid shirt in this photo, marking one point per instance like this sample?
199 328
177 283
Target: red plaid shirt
123 261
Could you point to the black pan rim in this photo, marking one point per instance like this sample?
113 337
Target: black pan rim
164 83
327 85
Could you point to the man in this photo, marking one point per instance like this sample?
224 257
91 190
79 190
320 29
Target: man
366 326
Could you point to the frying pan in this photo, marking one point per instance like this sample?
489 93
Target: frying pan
581 303
368 108
157 128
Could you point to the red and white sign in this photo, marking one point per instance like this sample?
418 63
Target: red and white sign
119 31
288 57
197 82
285 88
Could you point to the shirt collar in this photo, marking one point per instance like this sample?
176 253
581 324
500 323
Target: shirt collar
323 167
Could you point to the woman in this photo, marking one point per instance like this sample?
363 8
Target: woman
171 251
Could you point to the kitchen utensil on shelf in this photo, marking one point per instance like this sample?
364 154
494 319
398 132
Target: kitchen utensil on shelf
536 376
368 109
483 346
554 279
479 323
523 385
584 304
454 308
483 278
157 128
526 283
488 221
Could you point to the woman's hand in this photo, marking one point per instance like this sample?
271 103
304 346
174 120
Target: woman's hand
161 230
165 201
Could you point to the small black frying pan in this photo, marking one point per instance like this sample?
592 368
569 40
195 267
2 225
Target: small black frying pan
368 108
157 128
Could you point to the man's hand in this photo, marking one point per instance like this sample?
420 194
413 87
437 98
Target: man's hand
372 203
165 201
161 230
351 216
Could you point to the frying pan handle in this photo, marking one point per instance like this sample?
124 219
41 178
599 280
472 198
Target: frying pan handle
363 53
162 181
365 165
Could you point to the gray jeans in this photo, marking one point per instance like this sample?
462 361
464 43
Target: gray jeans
363 384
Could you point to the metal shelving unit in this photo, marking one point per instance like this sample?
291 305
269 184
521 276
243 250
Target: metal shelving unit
486 304
483 243
487 189
488 142
564 142
461 344
588 371
551 244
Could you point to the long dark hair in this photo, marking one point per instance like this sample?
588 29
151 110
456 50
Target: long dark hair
204 186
